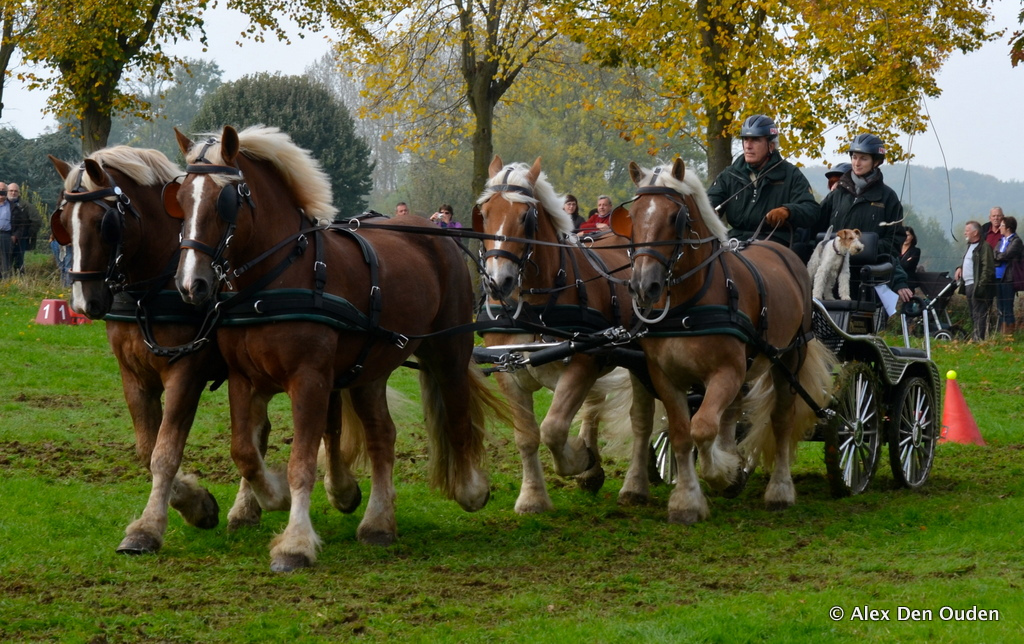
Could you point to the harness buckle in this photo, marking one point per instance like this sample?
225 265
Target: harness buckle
401 341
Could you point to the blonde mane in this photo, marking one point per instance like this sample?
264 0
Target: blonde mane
144 167
519 175
302 173
690 186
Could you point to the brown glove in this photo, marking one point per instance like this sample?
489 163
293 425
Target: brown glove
778 215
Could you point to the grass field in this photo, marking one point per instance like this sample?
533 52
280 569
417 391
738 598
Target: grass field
591 571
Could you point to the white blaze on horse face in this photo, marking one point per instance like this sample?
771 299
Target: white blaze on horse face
77 255
191 256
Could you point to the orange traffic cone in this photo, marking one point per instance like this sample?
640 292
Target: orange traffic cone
958 424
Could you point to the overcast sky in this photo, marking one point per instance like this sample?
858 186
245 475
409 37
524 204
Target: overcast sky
976 121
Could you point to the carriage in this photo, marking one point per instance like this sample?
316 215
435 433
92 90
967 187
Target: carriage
880 394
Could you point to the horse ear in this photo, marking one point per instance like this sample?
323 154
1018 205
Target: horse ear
229 144
60 233
95 172
63 169
535 171
170 199
622 223
678 169
496 166
184 143
635 173
478 219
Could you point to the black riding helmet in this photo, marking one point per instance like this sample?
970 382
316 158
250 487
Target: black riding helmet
759 125
868 144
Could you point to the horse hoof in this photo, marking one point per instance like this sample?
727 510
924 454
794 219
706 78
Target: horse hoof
237 523
211 514
139 544
288 563
737 486
353 503
684 517
777 506
376 537
591 481
632 498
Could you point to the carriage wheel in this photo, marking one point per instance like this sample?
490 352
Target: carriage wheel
913 433
664 460
853 436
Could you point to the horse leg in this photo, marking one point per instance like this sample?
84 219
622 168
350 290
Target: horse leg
163 457
246 510
571 456
720 468
342 488
636 488
248 443
593 479
378 527
687 504
297 546
533 492
781 493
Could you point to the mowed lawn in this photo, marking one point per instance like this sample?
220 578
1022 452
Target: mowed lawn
939 564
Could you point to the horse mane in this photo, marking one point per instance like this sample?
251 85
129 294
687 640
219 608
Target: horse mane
690 186
519 175
302 173
143 166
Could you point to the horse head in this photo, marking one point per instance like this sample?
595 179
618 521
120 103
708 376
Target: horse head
519 206
101 215
672 212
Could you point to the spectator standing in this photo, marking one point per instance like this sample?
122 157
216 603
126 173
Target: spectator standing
1009 252
443 217
25 227
990 231
910 256
401 209
6 233
978 275
833 175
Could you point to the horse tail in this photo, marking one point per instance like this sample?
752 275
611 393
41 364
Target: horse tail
757 405
607 405
353 434
815 377
457 452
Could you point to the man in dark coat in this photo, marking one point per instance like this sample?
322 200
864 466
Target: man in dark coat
24 226
761 185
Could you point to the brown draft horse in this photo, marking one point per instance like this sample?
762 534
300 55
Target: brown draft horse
560 287
114 218
254 203
726 309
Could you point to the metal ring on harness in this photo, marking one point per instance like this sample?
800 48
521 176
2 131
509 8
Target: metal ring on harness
519 309
256 306
354 223
639 314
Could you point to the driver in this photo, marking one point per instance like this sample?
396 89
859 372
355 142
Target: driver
761 185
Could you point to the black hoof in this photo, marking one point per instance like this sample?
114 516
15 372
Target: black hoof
238 523
139 544
738 485
288 563
684 517
353 504
376 537
591 481
633 499
211 514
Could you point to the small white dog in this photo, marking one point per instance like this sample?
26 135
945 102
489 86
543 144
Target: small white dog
831 263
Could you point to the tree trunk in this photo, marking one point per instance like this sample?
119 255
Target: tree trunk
95 129
482 102
719 148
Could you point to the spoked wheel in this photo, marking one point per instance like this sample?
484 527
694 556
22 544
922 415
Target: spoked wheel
853 436
664 460
913 433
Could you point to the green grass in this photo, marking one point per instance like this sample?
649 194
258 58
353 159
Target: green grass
590 571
